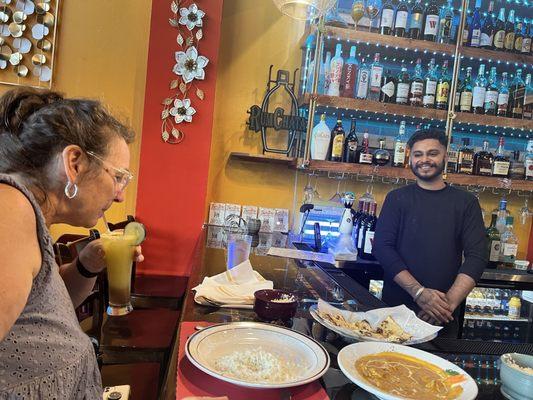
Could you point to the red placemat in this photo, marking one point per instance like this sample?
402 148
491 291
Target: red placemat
193 382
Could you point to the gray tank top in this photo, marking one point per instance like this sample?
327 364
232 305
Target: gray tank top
46 355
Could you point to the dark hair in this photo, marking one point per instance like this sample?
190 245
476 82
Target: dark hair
430 133
35 125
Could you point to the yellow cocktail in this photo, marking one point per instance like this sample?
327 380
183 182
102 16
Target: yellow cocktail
119 247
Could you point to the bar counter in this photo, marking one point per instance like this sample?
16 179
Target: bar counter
310 281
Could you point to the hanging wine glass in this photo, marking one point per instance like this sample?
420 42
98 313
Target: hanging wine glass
315 189
525 213
372 8
337 196
308 191
358 11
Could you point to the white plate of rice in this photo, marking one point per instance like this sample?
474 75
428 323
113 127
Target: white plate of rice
257 355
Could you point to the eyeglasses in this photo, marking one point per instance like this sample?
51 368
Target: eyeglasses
121 176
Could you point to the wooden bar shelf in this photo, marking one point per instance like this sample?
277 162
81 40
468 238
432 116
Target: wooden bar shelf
388 172
276 159
376 107
491 120
388 41
484 54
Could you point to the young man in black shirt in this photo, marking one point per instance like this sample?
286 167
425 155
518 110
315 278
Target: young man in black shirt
422 234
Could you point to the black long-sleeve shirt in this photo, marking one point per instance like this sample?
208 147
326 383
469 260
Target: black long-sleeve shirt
427 232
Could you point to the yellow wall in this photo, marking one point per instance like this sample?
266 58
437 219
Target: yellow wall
101 53
255 35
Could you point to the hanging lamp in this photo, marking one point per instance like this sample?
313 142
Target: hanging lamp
304 9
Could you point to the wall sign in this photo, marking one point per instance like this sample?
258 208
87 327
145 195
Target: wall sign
261 118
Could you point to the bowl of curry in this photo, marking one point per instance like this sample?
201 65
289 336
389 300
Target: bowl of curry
393 372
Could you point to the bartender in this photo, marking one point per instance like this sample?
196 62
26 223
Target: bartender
430 238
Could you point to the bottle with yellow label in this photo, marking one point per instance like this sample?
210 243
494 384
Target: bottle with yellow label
443 88
514 307
337 142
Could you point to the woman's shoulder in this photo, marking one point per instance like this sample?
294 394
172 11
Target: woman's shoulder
15 205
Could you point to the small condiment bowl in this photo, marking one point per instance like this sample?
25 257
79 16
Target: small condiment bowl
516 382
274 304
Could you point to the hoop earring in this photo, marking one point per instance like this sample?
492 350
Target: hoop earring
68 193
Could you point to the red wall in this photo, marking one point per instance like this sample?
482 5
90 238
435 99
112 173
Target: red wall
173 178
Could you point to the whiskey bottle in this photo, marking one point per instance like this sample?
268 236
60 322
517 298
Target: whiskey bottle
417 86
517 168
509 32
516 96
453 156
466 158
337 142
501 164
430 85
483 161
499 31
350 144
465 99
528 98
443 87
503 97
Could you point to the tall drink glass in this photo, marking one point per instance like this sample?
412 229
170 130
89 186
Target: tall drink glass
119 250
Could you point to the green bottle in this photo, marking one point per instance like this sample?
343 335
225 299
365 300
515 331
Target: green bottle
493 240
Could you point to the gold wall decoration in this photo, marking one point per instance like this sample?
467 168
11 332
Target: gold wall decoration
28 31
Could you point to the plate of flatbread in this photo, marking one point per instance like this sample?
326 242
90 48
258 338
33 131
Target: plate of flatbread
392 324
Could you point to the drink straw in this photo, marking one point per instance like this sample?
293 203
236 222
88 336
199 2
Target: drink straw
105 222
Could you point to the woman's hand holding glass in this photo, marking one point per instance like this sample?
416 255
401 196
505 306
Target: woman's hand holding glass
92 256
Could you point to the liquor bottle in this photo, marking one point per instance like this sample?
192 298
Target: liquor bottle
431 21
493 240
381 156
501 164
324 78
365 156
465 162
526 42
417 17
335 72
400 19
320 139
487 29
376 74
491 95
517 169
337 142
528 160
367 230
483 160
528 98
465 101
479 90
509 245
518 37
499 31
474 35
509 32
388 88
430 85
350 144
445 23
402 86
349 74
466 30
516 96
400 144
501 215
387 18
503 97
363 80
443 87
453 156
417 86
457 99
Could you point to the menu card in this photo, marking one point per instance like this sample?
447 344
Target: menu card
281 220
267 215
232 209
216 214
249 212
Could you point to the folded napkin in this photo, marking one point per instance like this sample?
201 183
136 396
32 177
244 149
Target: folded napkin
234 288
